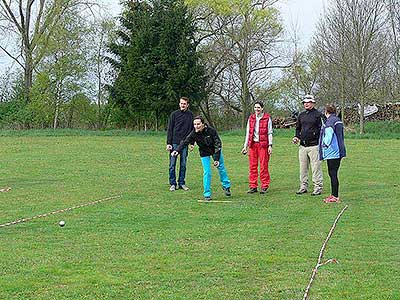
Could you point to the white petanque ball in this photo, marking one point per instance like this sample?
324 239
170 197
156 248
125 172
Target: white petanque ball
61 223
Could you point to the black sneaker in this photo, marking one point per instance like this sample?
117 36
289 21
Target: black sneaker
252 191
263 190
227 191
207 198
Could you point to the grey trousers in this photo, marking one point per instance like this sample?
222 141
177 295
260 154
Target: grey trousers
309 156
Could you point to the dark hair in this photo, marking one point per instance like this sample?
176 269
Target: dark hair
199 118
330 109
185 99
259 103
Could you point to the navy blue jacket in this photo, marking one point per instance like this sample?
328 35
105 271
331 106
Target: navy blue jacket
179 126
331 139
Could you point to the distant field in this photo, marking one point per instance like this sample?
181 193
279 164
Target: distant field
156 244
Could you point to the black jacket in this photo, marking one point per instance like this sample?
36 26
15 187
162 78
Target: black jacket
208 141
308 126
179 126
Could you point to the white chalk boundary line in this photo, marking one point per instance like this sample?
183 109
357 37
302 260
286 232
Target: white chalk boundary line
59 211
214 201
321 253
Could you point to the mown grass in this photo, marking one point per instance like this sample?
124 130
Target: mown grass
373 130
79 132
376 130
154 244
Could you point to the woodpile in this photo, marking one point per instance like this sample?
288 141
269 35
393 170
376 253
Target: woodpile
284 122
386 112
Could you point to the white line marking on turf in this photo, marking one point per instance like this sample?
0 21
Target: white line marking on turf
321 253
58 211
214 201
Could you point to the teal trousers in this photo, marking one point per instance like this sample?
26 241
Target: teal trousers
223 176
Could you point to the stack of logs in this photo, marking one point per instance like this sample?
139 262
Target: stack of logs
386 112
283 122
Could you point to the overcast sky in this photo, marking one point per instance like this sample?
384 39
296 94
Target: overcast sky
300 14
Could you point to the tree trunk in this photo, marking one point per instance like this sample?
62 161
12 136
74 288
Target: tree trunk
156 120
71 116
362 103
56 112
246 103
245 94
206 112
99 113
343 100
362 118
28 74
57 106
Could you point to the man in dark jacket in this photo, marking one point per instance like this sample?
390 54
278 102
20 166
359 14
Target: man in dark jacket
308 126
210 145
179 126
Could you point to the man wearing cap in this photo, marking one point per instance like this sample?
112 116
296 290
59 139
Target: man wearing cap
308 126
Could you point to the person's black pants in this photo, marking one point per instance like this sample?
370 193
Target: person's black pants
333 168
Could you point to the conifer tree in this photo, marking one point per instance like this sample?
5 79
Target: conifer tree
156 60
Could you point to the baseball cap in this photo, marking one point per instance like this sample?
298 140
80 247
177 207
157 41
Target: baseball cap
308 98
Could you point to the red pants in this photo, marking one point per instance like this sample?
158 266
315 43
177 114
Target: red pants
258 154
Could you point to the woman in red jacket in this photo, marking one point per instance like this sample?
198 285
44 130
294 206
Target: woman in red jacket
258 143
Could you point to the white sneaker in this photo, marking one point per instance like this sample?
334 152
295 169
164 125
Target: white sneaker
184 187
5 189
172 188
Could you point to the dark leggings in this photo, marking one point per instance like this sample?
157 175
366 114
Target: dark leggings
333 168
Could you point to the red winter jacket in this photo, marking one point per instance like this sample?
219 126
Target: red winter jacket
262 130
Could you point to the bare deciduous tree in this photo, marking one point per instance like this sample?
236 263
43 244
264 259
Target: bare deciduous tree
351 42
393 76
31 23
100 36
242 49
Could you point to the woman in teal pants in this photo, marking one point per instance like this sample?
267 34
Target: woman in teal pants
209 144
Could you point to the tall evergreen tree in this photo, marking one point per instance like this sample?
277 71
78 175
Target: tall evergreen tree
156 60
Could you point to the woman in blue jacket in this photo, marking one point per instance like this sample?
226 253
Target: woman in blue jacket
332 149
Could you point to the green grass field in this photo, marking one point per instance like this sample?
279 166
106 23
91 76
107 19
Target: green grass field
156 244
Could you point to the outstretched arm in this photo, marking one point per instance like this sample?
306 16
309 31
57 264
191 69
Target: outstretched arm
171 124
188 140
